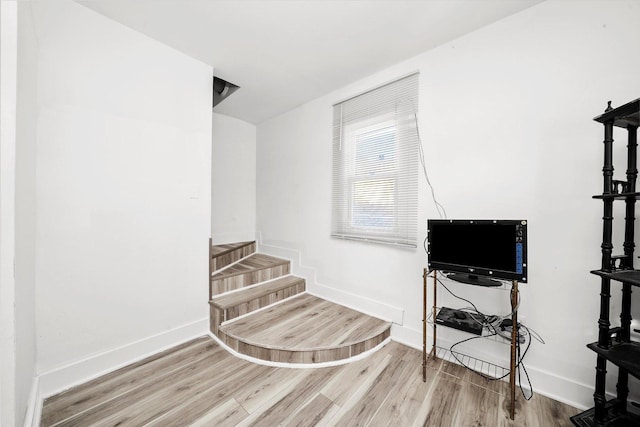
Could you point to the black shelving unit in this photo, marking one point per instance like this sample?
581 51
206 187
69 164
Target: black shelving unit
614 344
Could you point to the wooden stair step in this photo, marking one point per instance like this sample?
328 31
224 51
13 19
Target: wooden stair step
249 271
222 255
218 250
232 299
304 329
252 263
230 305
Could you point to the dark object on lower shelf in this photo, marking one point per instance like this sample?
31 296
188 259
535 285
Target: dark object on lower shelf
459 319
613 418
625 355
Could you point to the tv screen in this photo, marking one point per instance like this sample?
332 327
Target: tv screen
491 248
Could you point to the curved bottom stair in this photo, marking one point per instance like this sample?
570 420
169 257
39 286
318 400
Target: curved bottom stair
260 310
304 329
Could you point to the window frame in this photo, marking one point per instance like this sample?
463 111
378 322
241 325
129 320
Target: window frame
351 134
393 107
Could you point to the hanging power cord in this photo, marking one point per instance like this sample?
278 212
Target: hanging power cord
494 326
441 210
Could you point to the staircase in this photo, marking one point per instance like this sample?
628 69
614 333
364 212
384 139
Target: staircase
259 309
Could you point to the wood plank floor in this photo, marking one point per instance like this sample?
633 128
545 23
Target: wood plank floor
200 384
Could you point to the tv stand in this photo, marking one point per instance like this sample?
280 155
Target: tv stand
514 333
472 279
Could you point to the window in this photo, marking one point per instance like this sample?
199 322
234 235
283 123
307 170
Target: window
375 165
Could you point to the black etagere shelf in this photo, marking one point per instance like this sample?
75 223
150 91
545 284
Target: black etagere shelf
618 196
629 276
614 344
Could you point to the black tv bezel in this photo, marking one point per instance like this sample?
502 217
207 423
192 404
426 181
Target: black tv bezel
475 270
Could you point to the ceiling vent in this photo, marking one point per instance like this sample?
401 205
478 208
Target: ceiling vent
221 90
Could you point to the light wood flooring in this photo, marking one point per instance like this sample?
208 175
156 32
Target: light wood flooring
200 384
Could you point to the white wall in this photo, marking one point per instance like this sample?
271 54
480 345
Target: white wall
26 126
233 200
123 190
8 67
505 119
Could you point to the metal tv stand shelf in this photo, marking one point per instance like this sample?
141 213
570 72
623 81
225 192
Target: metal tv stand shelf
436 352
614 344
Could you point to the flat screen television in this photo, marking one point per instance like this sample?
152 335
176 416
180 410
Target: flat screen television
478 251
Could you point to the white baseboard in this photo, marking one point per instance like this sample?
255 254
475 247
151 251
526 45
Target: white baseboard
407 336
360 303
63 377
34 406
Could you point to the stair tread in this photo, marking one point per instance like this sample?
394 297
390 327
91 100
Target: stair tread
231 299
218 250
256 261
305 323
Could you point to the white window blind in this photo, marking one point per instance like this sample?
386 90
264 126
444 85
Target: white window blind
375 164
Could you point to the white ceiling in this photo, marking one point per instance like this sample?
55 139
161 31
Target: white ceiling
285 53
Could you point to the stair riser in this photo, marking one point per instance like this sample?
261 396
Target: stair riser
301 356
246 279
257 304
223 260
215 319
222 315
